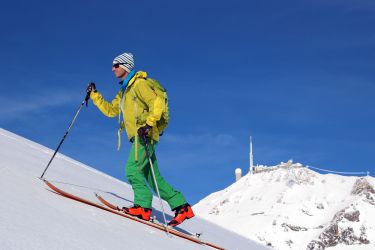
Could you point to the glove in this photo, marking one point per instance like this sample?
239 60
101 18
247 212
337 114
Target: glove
90 87
143 131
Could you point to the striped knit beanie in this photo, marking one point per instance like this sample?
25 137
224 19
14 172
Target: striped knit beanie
126 61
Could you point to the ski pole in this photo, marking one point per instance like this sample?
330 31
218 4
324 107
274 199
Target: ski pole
156 184
66 133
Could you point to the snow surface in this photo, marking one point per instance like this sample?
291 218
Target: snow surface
267 205
32 217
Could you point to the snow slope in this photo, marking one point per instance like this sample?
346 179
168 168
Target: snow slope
32 217
292 207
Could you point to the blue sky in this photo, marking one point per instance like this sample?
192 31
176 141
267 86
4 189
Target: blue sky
296 75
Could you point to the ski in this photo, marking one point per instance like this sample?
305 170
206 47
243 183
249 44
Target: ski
153 219
115 210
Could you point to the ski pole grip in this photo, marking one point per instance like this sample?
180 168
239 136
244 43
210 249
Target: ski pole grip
87 98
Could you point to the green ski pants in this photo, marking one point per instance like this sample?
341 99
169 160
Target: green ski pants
139 172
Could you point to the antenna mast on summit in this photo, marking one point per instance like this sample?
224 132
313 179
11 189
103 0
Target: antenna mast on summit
251 157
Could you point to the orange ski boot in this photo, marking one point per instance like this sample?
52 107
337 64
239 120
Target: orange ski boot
138 211
183 212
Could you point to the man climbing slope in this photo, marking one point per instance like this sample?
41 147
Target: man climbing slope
144 111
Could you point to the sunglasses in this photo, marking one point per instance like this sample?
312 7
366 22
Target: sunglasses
116 65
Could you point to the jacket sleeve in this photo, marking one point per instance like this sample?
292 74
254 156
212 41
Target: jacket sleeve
109 109
154 103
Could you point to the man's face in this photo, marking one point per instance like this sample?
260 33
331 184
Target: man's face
118 71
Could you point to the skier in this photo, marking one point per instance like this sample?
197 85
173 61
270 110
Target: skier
141 109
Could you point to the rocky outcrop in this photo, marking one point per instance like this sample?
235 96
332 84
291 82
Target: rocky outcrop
293 227
362 186
345 227
341 229
335 235
364 189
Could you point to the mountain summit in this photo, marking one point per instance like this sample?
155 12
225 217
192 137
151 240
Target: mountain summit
289 206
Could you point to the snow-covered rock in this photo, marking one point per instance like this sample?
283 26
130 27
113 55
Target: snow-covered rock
289 206
347 226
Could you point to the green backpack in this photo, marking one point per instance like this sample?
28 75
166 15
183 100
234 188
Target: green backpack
162 93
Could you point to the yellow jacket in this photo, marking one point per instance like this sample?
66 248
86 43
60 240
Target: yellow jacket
138 104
